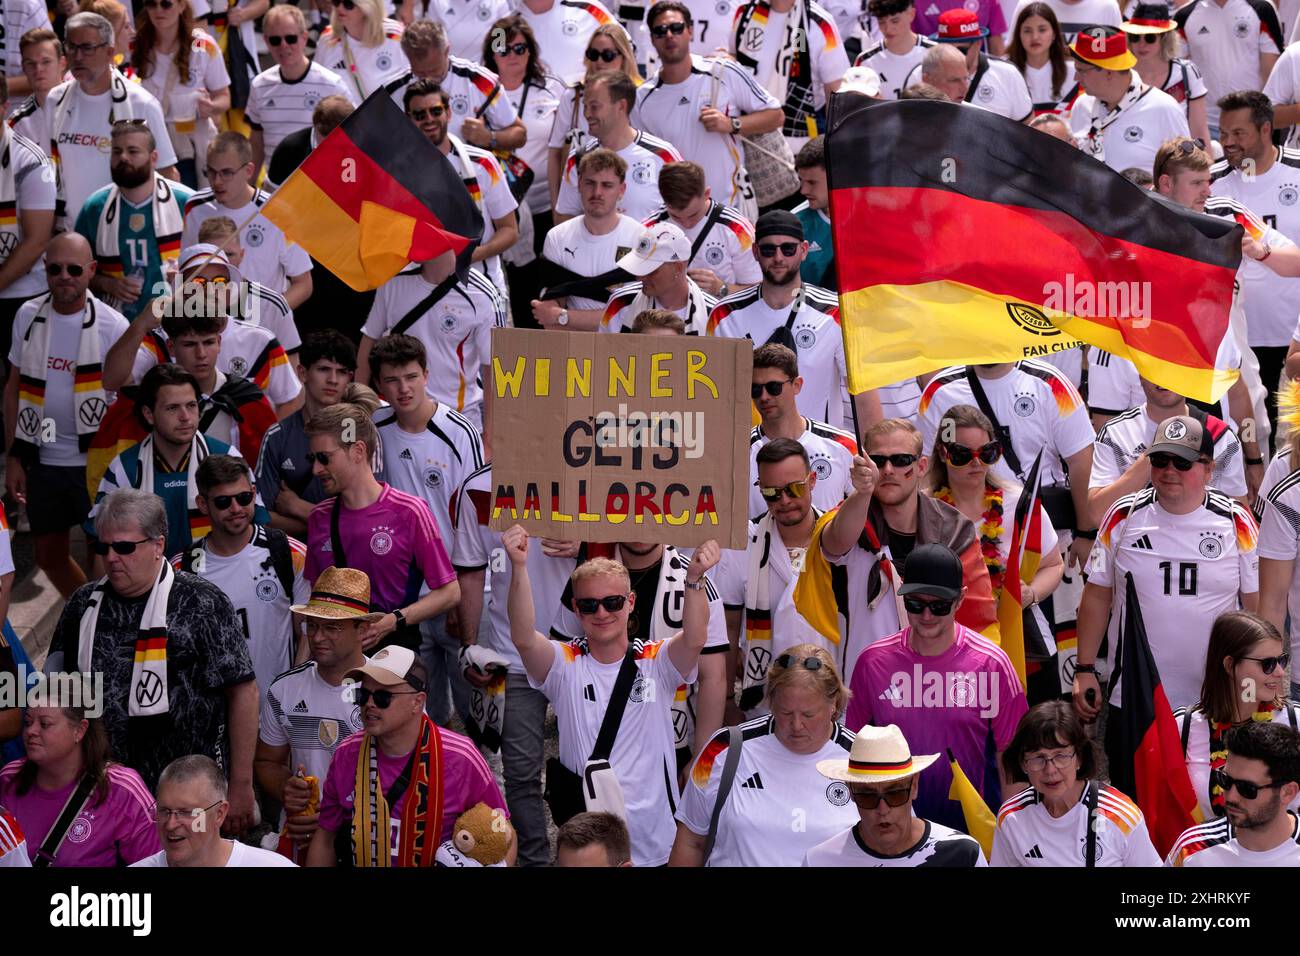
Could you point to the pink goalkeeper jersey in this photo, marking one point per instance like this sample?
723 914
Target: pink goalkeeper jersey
118 830
394 540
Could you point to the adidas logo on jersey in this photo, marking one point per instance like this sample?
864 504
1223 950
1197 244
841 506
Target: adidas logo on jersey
1202 31
932 10
300 707
589 693
406 455
1143 543
1034 853
814 246
753 783
287 464
684 102
892 692
270 104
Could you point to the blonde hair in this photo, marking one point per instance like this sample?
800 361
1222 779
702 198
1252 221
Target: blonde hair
890 425
333 420
374 33
825 680
600 568
361 395
618 36
217 230
288 10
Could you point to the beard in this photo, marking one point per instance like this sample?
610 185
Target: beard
788 278
128 176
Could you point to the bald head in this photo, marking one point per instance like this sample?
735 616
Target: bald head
72 243
69 253
944 68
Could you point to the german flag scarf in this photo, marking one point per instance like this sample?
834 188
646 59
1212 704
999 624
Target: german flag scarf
168 221
148 695
421 809
200 524
88 397
9 231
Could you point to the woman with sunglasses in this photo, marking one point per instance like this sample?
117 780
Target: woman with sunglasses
182 67
67 764
1039 52
776 773
961 474
608 49
1066 817
1153 39
362 46
1245 680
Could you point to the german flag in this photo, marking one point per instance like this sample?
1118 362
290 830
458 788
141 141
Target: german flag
990 242
1143 745
375 195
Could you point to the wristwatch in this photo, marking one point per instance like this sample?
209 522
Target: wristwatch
1086 669
562 318
699 585
735 125
492 143
1268 251
401 618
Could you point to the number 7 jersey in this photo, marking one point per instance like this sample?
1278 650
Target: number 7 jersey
1188 569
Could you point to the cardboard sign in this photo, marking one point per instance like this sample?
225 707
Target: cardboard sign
621 437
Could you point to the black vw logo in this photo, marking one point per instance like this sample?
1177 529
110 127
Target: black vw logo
149 691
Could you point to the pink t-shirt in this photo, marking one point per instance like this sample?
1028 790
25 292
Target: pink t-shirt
466 780
118 830
394 540
967 699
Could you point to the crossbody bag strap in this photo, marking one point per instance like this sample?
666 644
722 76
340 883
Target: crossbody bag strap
424 305
714 215
336 539
54 839
492 94
1003 433
394 793
735 738
617 704
1090 850
1187 728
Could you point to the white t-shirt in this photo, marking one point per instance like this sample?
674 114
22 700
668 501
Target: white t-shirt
207 72
208 10
17 18
646 155
1215 844
476 546
83 140
61 369
939 846
711 19
433 463
536 106
456 332
1270 300
816 331
728 249
269 257
563 33
572 246
279 107
309 716
1039 81
618 315
247 351
579 688
1027 835
1184 82
481 172
249 579
1188 569
672 112
1126 437
1279 521
1197 753
830 453
372 66
1131 140
1001 89
893 68
1226 42
467 22
779 806
1040 406
28 118
1077 15
467 86
241 854
1113 383
33 190
1283 86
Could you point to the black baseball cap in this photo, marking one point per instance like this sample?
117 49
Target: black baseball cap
932 569
778 222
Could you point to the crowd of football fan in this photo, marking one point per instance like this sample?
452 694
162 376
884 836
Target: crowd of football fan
274 654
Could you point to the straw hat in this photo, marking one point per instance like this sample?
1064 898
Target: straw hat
879 755
339 594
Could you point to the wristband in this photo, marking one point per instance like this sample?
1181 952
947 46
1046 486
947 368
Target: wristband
1086 669
1090 535
400 618
1255 461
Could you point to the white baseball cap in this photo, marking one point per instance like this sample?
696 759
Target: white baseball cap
659 244
192 257
861 79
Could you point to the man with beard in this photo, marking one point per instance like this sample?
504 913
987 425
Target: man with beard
135 224
429 108
258 568
1260 780
804 318
54 334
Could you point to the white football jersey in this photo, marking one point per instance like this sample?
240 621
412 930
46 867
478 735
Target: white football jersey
1027 835
1215 844
1126 437
830 454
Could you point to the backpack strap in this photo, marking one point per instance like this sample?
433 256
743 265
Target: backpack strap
735 738
1090 850
277 542
1187 727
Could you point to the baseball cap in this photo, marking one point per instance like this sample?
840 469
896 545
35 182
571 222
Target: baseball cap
659 244
1104 47
197 255
393 665
932 569
1183 436
861 79
959 25
778 222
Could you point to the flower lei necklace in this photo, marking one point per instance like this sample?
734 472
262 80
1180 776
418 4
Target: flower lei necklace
990 529
1219 750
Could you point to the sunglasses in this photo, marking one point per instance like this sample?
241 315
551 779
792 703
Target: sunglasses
899 461
158 4
58 268
102 548
939 607
611 603
1270 664
788 249
222 502
870 799
663 29
382 698
206 280
796 489
960 455
789 660
433 112
1148 37
518 49
289 38
345 4
772 388
1162 459
609 56
1247 789
320 456
1185 147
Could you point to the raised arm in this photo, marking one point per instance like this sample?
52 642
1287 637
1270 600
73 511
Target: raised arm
534 648
842 532
684 649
